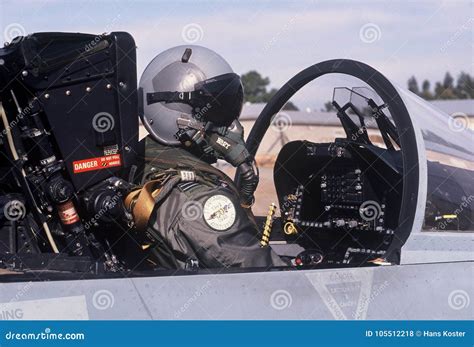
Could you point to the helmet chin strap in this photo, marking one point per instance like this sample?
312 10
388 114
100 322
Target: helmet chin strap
211 142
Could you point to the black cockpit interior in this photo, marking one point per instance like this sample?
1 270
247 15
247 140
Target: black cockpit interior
342 198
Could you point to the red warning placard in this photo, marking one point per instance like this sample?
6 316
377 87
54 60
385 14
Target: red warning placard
98 163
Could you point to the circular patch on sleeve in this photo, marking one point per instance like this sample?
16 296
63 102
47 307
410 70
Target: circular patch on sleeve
219 212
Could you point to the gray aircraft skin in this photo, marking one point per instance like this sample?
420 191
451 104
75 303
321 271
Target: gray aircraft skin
434 281
430 279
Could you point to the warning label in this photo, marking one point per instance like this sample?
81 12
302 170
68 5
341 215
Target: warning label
67 213
98 163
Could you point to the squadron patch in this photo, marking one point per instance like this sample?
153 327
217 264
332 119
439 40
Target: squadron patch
219 212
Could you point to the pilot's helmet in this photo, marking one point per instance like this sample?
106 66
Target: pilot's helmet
188 83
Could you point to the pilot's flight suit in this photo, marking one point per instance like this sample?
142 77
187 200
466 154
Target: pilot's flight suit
202 222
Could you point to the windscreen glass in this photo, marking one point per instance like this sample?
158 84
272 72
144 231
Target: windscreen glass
449 150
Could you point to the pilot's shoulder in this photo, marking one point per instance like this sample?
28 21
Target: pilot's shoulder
187 187
206 189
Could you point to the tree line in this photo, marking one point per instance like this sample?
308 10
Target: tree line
463 88
256 89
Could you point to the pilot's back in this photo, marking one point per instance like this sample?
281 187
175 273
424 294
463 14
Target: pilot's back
201 222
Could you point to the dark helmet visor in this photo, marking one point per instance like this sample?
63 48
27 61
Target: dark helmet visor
217 100
223 97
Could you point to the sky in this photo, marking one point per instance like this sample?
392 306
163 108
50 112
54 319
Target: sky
276 38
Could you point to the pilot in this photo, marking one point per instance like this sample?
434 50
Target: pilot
190 102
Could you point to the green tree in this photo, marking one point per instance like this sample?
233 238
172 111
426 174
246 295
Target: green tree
426 90
445 89
413 85
255 89
448 81
438 90
464 86
255 86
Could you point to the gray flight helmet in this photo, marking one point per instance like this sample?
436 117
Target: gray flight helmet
176 70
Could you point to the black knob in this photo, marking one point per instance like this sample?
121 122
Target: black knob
60 190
